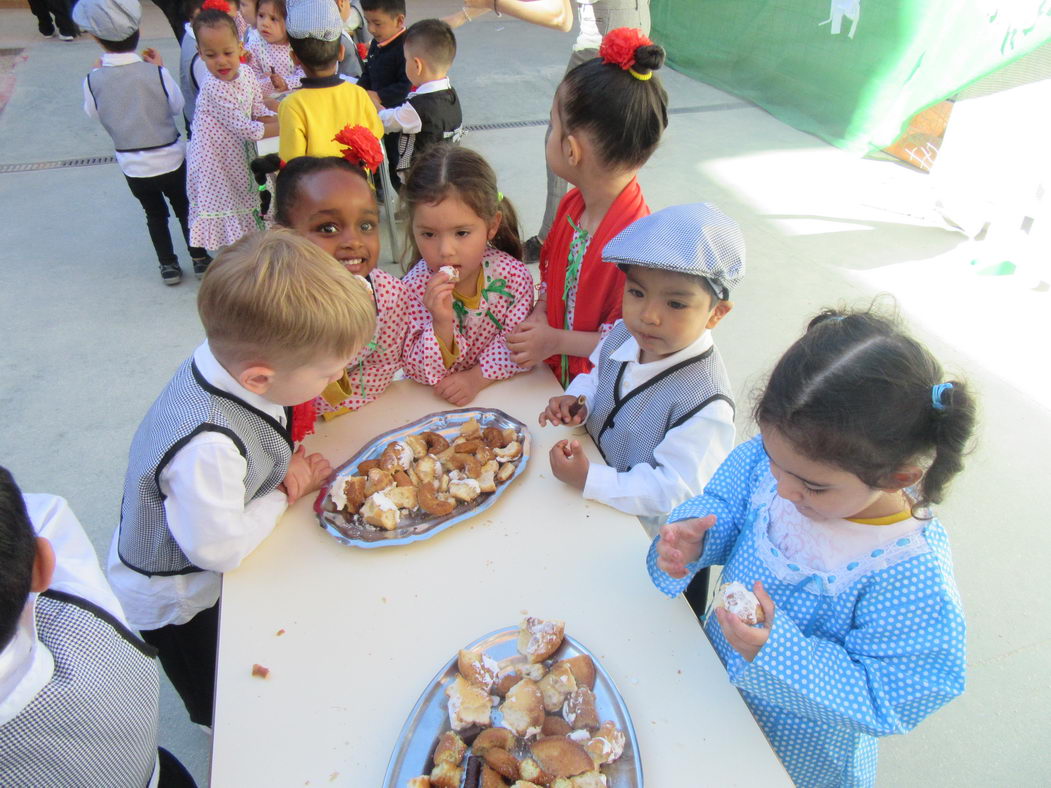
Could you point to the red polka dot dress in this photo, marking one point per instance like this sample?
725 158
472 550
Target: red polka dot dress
379 361
224 199
270 59
480 334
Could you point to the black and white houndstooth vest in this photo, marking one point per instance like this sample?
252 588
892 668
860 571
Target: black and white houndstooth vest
95 722
187 407
628 429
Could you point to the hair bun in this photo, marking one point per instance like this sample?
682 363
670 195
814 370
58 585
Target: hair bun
649 57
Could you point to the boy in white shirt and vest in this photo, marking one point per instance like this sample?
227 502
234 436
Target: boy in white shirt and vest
137 102
211 468
78 689
658 402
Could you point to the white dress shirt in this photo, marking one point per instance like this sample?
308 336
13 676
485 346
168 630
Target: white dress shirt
686 458
144 163
404 117
203 485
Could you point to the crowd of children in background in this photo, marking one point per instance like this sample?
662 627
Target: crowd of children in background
825 513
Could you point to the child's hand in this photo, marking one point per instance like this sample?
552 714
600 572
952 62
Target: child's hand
375 99
438 297
278 82
569 464
681 543
271 103
745 639
558 412
533 340
459 388
306 474
270 127
152 56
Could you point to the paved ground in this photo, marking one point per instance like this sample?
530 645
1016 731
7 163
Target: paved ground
91 335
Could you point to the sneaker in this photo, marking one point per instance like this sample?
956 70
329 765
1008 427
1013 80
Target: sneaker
64 37
171 273
531 250
47 31
200 265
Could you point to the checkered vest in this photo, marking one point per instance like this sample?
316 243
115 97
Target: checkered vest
440 118
627 429
95 722
188 406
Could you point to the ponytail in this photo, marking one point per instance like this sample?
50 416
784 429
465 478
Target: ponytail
952 423
508 238
262 167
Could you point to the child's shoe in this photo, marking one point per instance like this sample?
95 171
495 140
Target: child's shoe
200 265
171 273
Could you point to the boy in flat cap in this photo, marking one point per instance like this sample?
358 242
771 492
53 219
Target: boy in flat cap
658 402
137 102
325 102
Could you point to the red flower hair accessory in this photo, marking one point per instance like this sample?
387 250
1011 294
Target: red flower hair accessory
363 50
216 5
618 46
362 147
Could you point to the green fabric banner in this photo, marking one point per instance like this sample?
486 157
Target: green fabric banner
850 71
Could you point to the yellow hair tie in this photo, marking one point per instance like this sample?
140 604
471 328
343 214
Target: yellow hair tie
638 76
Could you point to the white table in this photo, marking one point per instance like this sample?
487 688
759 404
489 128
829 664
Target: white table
366 630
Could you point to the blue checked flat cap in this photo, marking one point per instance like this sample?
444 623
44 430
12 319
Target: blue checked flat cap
696 239
110 20
313 19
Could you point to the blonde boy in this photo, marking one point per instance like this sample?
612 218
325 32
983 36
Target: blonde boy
211 468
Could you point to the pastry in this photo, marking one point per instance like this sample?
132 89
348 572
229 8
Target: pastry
418 446
531 771
491 778
468 705
574 409
402 497
606 745
583 669
428 499
479 669
508 678
446 775
451 274
380 511
435 443
555 726
487 482
592 779
450 749
428 468
494 438
561 757
539 639
467 446
466 463
500 760
493 737
532 670
402 479
377 481
556 684
737 599
465 489
507 470
396 455
523 709
579 709
523 784
367 465
471 429
511 451
349 494
419 782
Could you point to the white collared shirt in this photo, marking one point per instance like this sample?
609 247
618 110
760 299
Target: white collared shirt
404 117
686 458
203 485
144 163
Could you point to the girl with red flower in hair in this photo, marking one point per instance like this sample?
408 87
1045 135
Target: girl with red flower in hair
606 120
330 201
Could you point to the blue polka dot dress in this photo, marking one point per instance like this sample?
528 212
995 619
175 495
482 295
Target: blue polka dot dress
866 650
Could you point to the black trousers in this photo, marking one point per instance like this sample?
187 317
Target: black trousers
150 192
188 654
62 9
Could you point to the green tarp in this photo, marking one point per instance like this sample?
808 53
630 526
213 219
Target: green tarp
855 92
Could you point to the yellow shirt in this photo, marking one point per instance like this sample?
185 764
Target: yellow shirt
314 114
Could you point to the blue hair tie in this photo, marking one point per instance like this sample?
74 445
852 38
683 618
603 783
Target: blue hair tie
936 394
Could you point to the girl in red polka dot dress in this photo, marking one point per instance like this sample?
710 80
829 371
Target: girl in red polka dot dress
223 197
470 289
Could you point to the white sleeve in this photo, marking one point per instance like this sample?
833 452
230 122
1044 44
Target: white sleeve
77 569
200 73
175 99
204 503
587 383
402 118
89 102
686 460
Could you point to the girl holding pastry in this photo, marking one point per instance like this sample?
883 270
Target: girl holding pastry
469 290
271 54
331 202
855 629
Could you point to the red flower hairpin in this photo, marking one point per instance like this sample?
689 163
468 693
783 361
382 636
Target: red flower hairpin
216 5
362 147
618 46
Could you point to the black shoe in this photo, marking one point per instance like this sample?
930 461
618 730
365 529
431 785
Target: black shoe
531 250
200 266
171 273
47 31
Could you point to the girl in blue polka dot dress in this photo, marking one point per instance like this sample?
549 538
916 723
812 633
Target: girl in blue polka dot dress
825 516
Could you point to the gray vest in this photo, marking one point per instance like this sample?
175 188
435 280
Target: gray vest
187 81
132 103
95 722
627 429
188 406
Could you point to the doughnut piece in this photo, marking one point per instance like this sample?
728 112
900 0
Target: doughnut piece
428 500
523 709
539 639
465 463
737 599
378 481
493 737
468 705
561 757
583 669
556 684
579 709
500 760
381 511
479 669
435 443
450 749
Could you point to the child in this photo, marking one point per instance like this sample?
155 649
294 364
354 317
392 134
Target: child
309 117
78 704
330 202
432 112
270 53
383 73
148 148
470 289
225 128
825 514
192 71
606 120
352 34
658 402
211 467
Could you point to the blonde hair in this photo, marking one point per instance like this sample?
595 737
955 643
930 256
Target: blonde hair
276 297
